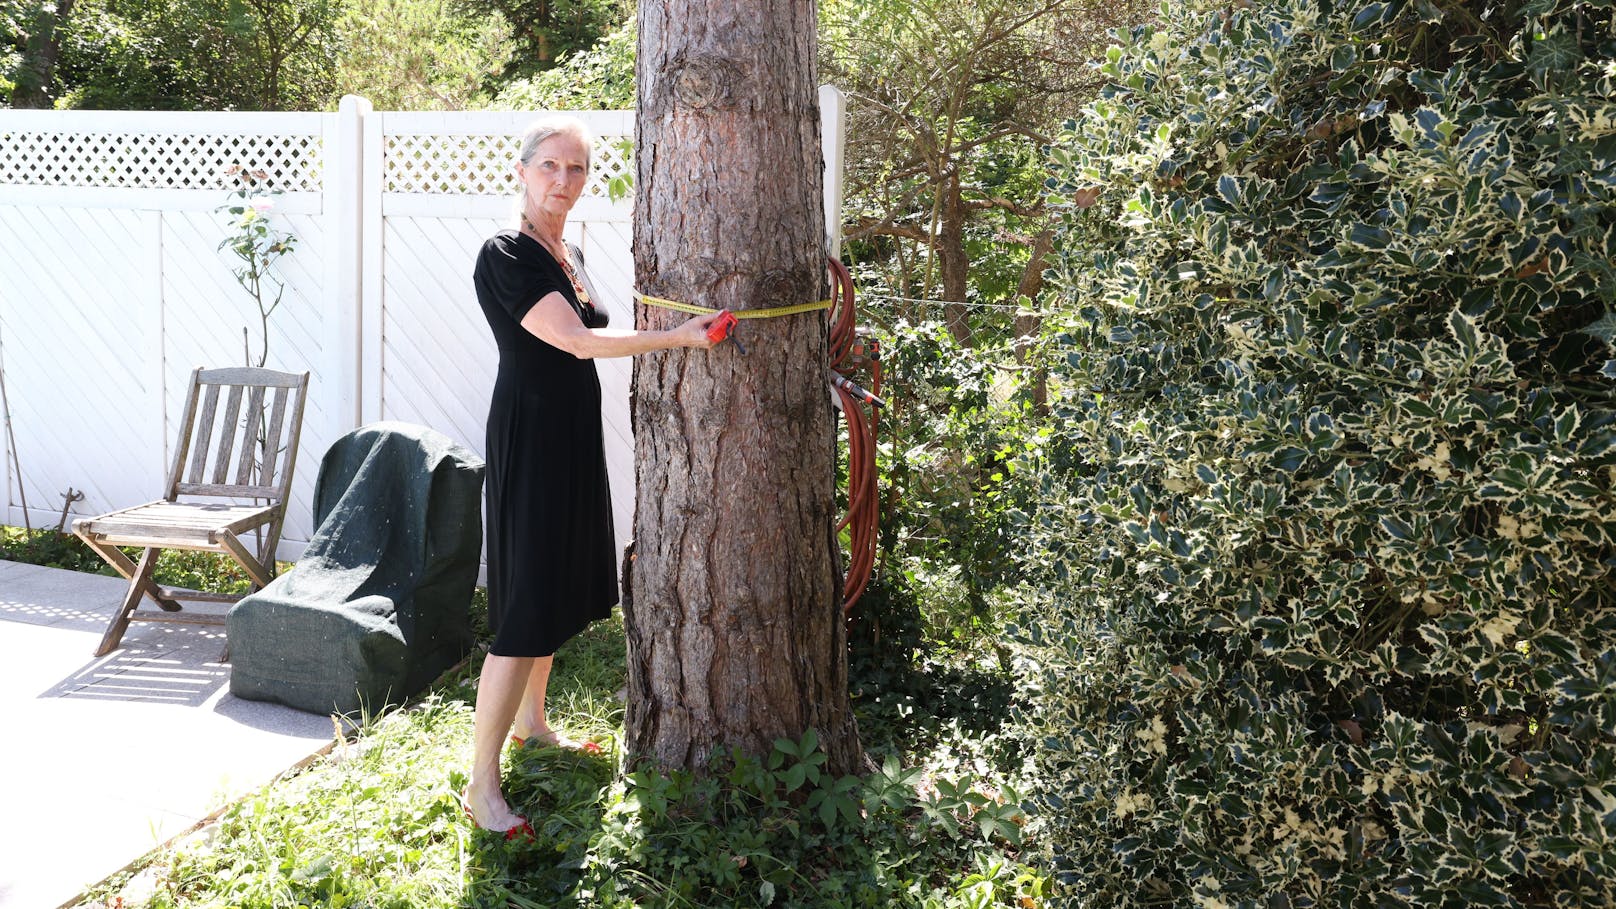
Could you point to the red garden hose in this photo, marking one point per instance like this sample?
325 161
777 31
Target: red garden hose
848 354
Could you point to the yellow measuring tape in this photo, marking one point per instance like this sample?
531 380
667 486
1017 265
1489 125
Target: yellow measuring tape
770 313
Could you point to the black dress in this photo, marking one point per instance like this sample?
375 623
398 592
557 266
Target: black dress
551 566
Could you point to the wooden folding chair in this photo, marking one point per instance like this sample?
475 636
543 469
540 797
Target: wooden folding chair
262 451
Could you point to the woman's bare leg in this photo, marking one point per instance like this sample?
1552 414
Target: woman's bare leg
499 692
530 719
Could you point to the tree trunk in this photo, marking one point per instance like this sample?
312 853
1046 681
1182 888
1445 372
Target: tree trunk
955 266
44 48
735 637
1028 324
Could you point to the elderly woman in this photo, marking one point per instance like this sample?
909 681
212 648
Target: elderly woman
551 562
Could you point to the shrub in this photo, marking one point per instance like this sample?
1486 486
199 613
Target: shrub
949 437
1325 542
917 698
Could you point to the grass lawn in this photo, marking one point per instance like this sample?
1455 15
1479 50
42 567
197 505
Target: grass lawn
938 823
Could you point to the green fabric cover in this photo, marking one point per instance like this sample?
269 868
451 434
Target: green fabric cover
379 605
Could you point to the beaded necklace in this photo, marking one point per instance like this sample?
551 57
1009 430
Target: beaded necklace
564 260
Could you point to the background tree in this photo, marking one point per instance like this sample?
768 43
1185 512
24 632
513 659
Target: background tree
116 56
199 55
950 103
600 78
286 50
734 633
418 54
34 32
546 30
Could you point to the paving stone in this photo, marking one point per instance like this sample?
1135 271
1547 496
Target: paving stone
105 758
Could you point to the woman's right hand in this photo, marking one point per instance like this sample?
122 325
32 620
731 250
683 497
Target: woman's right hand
693 333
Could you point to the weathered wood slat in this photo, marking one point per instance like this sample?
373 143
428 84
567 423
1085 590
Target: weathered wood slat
196 596
140 527
151 536
235 492
227 433
187 419
249 435
291 446
176 534
250 375
131 598
182 618
204 431
194 513
272 443
166 519
198 544
250 562
271 515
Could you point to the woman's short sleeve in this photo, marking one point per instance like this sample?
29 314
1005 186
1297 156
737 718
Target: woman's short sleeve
513 282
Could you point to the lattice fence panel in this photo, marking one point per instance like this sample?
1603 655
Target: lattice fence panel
135 160
480 165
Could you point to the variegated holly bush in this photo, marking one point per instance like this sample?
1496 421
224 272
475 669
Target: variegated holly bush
1325 560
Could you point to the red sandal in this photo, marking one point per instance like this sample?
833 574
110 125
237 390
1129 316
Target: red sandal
524 828
585 746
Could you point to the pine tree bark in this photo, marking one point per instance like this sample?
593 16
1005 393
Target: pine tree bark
735 636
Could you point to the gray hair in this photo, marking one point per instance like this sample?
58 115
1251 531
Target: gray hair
542 129
554 124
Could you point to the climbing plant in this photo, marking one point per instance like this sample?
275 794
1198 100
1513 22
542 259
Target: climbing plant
1324 563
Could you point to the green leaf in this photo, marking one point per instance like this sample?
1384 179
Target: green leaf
1464 331
849 809
1290 458
1229 190
795 777
1330 194
1398 528
1554 52
1418 408
1369 236
1368 17
1297 659
1603 328
1565 425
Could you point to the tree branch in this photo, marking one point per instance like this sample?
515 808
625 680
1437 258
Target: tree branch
1026 211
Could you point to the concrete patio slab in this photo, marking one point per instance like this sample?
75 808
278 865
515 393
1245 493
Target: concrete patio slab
106 758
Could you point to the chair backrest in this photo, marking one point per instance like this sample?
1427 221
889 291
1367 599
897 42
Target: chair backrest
249 450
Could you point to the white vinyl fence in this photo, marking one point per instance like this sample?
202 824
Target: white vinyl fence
112 286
